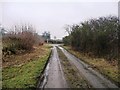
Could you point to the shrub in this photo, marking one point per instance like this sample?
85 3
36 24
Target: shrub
99 36
20 39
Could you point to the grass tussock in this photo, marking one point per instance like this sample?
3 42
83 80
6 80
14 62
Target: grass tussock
73 77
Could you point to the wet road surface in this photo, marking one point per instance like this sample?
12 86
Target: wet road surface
93 77
54 76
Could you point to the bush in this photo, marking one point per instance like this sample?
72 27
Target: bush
99 36
21 39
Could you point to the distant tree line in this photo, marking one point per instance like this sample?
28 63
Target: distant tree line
57 41
99 37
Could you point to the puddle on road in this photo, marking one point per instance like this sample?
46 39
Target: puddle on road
45 75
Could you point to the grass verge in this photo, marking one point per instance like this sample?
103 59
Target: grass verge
25 75
99 64
73 77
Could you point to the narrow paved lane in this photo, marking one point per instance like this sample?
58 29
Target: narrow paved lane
93 77
55 77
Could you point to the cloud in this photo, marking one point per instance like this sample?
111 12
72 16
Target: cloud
53 16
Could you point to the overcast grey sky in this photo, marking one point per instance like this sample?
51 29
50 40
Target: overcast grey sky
53 16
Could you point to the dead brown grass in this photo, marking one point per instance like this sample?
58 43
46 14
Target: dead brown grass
20 59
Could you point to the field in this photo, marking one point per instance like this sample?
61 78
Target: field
22 71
